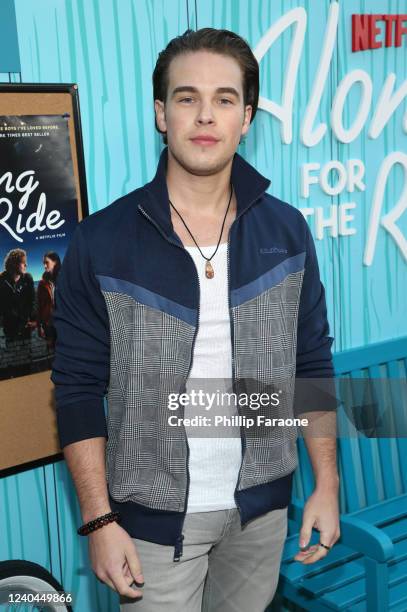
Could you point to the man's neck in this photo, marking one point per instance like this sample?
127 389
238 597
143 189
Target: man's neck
204 195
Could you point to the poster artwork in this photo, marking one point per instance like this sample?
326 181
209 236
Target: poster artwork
38 213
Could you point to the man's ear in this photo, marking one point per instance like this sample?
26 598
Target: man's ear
159 108
246 120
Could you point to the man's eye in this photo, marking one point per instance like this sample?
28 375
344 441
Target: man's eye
226 101
188 99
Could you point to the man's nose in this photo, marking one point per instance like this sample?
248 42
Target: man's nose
205 114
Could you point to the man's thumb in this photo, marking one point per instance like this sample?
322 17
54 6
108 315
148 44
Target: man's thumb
305 535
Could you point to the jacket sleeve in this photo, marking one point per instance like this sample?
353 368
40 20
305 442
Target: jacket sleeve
314 356
82 353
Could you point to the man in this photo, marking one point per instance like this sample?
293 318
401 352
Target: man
17 310
199 273
17 297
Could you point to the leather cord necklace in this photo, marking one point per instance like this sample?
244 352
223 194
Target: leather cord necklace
209 271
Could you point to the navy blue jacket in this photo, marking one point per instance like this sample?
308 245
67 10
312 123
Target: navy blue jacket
127 315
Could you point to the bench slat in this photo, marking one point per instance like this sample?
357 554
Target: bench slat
386 447
389 456
396 531
348 450
402 452
397 370
338 577
372 354
388 509
369 452
398 600
355 591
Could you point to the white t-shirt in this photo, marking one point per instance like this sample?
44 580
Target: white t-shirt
214 461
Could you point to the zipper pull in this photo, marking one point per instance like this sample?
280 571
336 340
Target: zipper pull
178 548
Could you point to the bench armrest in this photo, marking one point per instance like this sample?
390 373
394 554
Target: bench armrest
356 534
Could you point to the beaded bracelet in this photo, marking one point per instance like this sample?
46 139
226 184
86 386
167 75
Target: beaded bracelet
99 522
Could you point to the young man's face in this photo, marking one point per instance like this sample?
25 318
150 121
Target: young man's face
204 115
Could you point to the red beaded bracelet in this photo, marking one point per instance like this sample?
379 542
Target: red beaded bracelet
99 522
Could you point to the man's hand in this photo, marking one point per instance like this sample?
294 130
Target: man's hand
114 559
322 512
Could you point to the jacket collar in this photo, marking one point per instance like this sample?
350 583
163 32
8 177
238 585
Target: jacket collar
248 184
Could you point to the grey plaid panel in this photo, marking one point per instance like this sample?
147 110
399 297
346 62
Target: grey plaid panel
150 357
268 462
265 345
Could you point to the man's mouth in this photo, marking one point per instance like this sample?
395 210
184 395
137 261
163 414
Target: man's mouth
204 140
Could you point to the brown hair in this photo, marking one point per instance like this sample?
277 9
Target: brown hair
13 260
53 256
223 42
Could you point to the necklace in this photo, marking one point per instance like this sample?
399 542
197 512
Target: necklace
209 271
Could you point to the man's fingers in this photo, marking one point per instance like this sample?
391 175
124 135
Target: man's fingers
312 554
328 537
306 530
320 553
303 554
115 561
316 551
121 586
127 574
134 565
309 550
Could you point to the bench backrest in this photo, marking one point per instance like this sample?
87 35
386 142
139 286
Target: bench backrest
371 468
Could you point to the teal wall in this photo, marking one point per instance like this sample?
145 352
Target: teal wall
39 515
9 52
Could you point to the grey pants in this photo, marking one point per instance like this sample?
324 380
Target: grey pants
224 568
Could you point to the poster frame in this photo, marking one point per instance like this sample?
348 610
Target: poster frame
15 456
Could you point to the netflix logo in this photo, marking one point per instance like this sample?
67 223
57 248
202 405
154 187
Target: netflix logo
375 31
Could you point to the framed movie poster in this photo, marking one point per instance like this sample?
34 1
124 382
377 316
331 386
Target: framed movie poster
42 199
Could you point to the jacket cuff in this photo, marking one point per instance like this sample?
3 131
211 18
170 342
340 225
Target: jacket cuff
81 420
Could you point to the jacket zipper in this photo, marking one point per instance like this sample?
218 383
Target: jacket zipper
233 370
242 432
178 548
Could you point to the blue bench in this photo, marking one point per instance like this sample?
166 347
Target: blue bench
367 568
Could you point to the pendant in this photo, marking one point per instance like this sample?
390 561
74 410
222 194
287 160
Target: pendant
209 273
